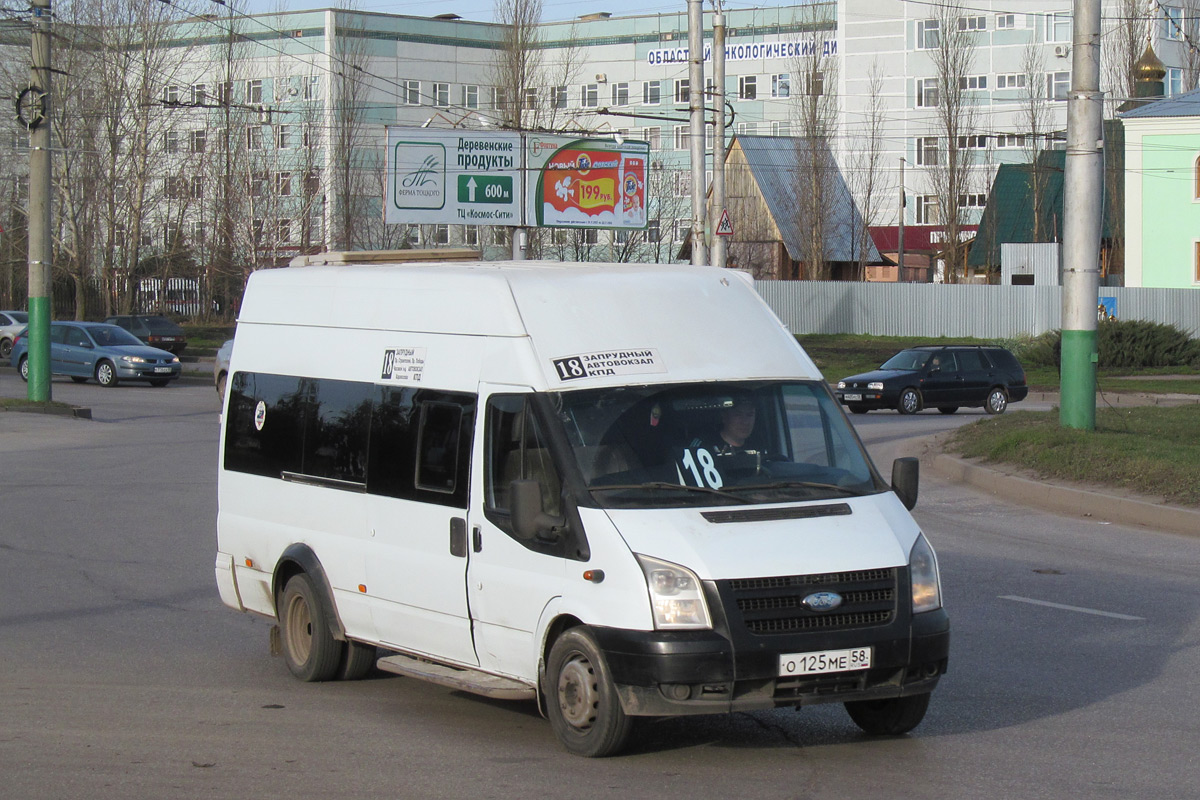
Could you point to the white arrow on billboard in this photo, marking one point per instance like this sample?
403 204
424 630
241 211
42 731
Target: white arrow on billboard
471 187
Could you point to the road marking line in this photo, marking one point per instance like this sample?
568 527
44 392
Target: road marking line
1062 607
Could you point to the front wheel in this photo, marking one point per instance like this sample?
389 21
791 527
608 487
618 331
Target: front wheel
997 401
160 382
311 652
947 409
857 409
891 717
581 700
910 401
23 368
106 374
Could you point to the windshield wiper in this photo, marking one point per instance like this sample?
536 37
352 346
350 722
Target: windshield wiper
796 485
669 485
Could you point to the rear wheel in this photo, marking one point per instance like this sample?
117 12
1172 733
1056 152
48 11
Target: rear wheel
891 717
910 401
311 652
581 700
106 374
5 348
947 409
997 401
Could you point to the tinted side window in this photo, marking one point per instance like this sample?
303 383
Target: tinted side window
420 445
943 361
517 449
58 334
1002 359
264 430
335 438
969 360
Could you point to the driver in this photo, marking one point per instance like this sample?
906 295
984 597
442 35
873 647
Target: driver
737 424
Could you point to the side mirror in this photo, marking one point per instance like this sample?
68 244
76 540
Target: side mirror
906 477
529 518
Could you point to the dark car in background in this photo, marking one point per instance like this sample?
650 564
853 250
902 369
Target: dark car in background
95 350
156 331
945 377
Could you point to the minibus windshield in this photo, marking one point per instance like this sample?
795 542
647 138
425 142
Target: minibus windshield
715 443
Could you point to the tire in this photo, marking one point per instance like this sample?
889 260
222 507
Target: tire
78 379
947 409
357 660
106 374
221 385
5 348
160 382
311 652
23 368
910 401
891 717
581 700
997 401
857 409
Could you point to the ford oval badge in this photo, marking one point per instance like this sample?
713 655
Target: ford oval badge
822 601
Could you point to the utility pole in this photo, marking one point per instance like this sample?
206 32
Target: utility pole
41 247
903 203
718 200
1083 189
696 126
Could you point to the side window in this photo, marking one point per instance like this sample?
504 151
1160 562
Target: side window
421 445
58 334
517 450
971 360
335 435
943 361
264 432
437 450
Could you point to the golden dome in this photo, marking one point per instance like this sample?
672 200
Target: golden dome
1149 67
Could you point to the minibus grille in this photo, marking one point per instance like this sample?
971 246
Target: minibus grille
775 605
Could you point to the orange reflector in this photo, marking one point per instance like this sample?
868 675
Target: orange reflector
362 587
249 562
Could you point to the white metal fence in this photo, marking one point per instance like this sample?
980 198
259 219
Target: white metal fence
986 312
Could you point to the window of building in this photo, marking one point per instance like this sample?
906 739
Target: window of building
1058 27
470 96
530 99
972 82
589 95
682 228
682 137
927 92
682 180
1196 262
1196 182
927 151
747 128
1006 21
781 85
311 136
928 34
283 136
1013 80
254 91
199 94
171 141
682 90
197 140
254 137
312 182
972 142
312 88
258 184
781 129
1058 84
978 200
748 87
653 230
591 236
651 93
926 209
471 236
283 184
410 93
814 83
1172 23
558 97
1010 140
197 187
170 95
283 231
499 97
653 136
174 187
441 95
1174 81
225 92
620 94
440 234
170 236
973 23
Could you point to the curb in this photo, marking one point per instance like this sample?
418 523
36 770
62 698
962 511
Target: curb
78 412
1068 500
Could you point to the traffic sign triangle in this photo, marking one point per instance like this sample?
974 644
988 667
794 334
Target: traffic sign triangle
725 227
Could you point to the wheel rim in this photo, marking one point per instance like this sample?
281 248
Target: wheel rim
997 401
104 374
25 369
299 629
578 693
909 401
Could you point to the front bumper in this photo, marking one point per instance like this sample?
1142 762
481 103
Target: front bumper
871 400
663 673
147 372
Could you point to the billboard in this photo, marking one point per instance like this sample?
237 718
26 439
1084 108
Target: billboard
585 183
453 177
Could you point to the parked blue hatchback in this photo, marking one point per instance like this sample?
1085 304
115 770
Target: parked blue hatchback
98 350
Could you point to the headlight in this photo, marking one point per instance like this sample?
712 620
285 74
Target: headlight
875 386
841 384
675 595
133 359
923 570
175 360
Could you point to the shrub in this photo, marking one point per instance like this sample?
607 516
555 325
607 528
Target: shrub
1123 344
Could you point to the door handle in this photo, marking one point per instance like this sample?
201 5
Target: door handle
458 537
477 539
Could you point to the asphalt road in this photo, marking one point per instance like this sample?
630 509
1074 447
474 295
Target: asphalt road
1072 669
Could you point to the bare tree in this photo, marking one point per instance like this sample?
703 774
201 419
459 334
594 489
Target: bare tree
1124 39
1035 121
868 180
354 154
956 118
1191 43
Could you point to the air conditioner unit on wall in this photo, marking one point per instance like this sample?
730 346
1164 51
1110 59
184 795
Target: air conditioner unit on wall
601 77
1062 50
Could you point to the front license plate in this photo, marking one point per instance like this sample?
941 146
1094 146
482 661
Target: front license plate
162 369
853 398
825 661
